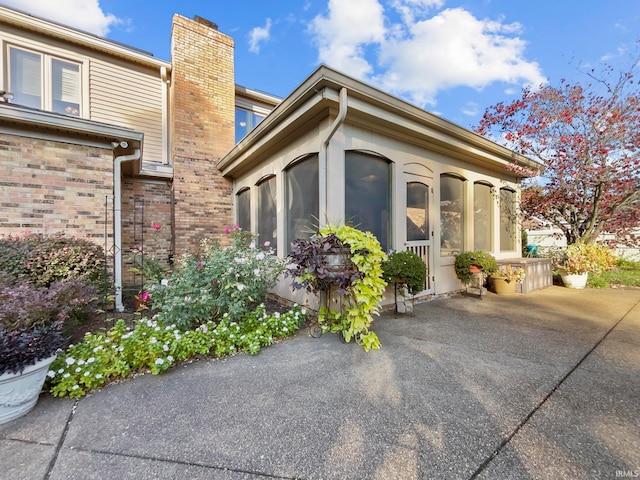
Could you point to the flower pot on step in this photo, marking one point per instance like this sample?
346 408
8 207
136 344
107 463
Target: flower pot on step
502 286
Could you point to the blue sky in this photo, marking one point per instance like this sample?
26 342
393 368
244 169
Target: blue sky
454 58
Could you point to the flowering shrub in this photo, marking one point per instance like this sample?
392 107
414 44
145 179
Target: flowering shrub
44 259
511 274
581 258
217 280
152 346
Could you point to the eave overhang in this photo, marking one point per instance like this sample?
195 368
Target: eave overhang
318 97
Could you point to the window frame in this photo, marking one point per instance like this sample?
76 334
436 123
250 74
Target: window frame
259 223
449 252
47 93
239 218
288 201
490 220
513 220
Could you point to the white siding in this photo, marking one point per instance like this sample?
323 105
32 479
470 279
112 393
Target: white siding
131 98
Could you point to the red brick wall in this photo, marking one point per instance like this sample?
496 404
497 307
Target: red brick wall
202 130
49 186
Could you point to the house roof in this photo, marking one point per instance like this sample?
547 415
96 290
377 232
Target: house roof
318 97
39 25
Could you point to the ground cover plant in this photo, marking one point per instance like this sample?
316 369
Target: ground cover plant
625 273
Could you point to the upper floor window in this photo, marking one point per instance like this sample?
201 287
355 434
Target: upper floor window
44 82
246 120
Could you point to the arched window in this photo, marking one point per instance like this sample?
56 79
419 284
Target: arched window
267 212
243 209
367 194
302 201
482 217
452 215
507 220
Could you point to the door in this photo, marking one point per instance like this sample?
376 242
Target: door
418 224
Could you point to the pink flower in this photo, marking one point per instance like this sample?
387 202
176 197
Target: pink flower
199 264
156 226
144 296
227 230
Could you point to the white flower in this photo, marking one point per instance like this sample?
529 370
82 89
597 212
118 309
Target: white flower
91 360
86 374
66 375
164 282
267 243
256 271
240 286
277 314
252 245
80 362
170 358
153 340
78 370
159 361
61 370
75 387
187 299
98 348
260 256
70 361
51 374
98 376
165 347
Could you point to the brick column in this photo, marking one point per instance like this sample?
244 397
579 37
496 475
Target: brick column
202 129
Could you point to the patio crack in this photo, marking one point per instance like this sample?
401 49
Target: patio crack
63 437
183 462
544 400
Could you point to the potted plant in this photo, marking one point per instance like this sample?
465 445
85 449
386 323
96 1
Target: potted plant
477 261
31 333
358 278
580 259
505 280
406 268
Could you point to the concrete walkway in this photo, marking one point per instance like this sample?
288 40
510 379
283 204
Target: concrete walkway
537 386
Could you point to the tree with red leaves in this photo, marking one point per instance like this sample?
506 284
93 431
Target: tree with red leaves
588 139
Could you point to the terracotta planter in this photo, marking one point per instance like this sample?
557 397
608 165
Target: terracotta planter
19 391
502 287
475 269
576 280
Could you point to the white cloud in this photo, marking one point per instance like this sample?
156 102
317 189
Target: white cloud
428 50
259 35
342 35
82 14
471 109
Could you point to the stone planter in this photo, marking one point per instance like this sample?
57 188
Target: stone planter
502 287
576 280
19 392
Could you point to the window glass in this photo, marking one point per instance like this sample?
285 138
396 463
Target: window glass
245 122
451 215
302 198
66 87
507 220
367 191
26 78
267 213
417 211
243 205
482 208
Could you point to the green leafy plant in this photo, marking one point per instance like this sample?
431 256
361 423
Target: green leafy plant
592 258
510 274
465 260
407 268
151 346
359 281
217 280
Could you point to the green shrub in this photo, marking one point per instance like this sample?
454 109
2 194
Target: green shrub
217 280
592 258
45 259
407 267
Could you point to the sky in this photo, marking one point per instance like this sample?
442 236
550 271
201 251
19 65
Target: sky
452 58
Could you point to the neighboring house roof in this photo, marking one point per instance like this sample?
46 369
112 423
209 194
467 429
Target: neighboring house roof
318 97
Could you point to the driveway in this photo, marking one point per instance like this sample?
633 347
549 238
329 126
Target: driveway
537 386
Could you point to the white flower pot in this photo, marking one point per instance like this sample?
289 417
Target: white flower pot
576 280
19 391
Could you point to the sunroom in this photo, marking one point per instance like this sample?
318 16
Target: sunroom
340 151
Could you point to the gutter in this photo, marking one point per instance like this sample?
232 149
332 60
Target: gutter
117 219
323 155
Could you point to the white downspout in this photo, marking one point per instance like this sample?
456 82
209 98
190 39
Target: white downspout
324 148
117 222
